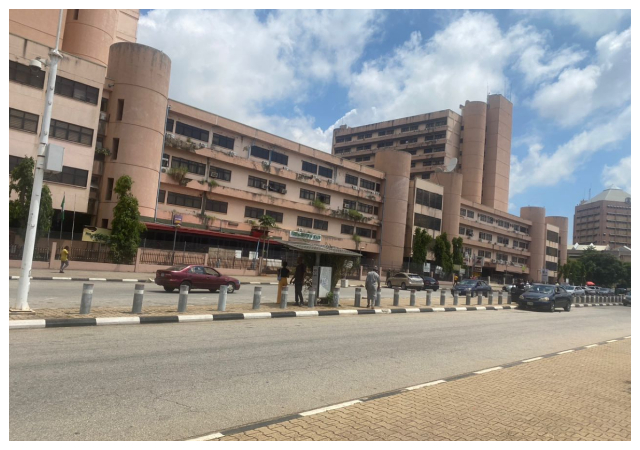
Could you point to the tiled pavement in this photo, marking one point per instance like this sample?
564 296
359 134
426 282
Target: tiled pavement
578 395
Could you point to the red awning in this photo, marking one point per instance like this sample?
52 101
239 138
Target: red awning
187 230
590 283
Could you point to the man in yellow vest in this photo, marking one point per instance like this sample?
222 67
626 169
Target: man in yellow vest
64 259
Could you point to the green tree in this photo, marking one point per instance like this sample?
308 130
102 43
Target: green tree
457 251
420 242
126 226
21 182
602 268
442 253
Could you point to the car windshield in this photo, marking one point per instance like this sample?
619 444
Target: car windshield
569 288
540 289
467 282
413 275
176 268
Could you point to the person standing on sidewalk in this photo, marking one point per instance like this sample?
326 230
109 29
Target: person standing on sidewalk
298 278
283 276
64 259
372 285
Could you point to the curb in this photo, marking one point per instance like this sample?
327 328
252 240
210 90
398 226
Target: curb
281 419
130 280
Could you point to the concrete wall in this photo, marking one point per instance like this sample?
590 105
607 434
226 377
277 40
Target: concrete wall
538 233
38 25
563 231
452 183
474 120
91 34
497 154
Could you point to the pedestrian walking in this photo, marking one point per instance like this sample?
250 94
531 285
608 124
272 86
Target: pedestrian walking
283 276
455 280
64 259
372 285
298 279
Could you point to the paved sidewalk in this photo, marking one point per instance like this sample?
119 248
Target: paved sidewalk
582 395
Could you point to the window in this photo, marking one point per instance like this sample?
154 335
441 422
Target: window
503 240
409 141
78 91
411 152
22 74
70 132
470 214
108 195
363 158
362 207
222 141
120 109
191 166
385 133
339 151
69 175
343 139
254 213
325 172
188 201
413 164
320 224
364 136
461 230
463 212
364 232
309 167
259 152
484 253
385 144
426 176
485 236
116 146
409 128
161 195
256 182
349 204
105 223
21 120
552 251
305 222
165 160
366 184
551 266
324 198
169 125
277 187
504 257
423 221
430 199
216 206
364 147
552 236
350 179
277 216
13 162
76 14
219 173
279 158
346 229
307 195
192 132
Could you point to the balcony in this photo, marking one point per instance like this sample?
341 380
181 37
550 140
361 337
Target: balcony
180 144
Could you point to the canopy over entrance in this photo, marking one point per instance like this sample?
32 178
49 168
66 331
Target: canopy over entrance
318 249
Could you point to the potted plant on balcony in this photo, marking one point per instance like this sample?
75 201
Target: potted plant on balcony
318 204
179 174
265 224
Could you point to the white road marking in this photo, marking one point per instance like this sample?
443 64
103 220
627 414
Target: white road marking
208 437
566 351
627 337
263 315
97 279
592 345
532 359
613 340
433 383
130 279
117 320
306 313
329 408
487 370
195 318
34 323
60 278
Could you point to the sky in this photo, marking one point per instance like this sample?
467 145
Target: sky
301 73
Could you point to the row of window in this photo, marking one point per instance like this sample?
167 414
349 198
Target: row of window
426 151
269 155
552 236
428 222
312 195
21 120
430 199
405 129
552 251
69 175
317 169
488 219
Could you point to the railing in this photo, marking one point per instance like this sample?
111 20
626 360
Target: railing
39 253
102 255
169 258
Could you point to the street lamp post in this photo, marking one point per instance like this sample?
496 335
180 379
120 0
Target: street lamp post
21 302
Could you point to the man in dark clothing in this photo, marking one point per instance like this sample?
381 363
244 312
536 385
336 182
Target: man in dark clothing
517 291
298 278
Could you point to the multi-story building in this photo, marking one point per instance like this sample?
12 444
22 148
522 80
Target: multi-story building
442 171
604 220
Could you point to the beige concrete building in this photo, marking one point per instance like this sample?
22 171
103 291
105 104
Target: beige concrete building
604 220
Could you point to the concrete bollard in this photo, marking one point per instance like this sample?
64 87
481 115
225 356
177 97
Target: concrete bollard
479 298
222 298
500 298
87 297
377 298
182 298
396 296
468 299
358 299
311 302
443 297
138 295
455 298
335 300
491 298
428 298
283 297
412 298
509 299
257 297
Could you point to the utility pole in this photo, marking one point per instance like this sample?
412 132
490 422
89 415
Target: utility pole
21 302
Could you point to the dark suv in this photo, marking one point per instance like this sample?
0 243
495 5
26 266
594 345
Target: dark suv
474 287
430 283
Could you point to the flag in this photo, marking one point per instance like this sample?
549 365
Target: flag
62 205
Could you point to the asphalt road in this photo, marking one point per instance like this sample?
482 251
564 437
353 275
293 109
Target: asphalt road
67 294
174 381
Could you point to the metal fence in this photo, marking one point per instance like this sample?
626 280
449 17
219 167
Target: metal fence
39 253
100 255
170 258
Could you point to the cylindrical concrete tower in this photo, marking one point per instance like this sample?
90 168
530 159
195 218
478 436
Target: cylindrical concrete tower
452 184
39 25
563 224
538 233
90 32
497 154
474 120
396 165
137 111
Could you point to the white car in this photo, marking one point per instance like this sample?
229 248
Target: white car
574 290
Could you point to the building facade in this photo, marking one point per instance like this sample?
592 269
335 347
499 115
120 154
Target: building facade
604 220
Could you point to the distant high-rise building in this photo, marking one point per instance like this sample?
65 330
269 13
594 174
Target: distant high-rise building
604 220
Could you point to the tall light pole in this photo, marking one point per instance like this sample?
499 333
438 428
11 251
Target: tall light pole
21 301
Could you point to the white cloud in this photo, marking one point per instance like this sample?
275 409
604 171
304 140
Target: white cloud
590 22
606 84
551 169
618 175
539 64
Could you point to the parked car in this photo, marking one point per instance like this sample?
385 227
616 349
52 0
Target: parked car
405 280
430 283
545 296
574 290
508 287
195 277
474 287
605 291
627 299
590 290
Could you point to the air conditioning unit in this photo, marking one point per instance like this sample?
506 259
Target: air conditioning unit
354 187
163 170
283 191
263 186
214 175
300 230
202 145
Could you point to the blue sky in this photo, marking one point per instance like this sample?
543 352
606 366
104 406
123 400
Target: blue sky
300 73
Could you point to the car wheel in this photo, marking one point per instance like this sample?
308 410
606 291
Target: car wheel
389 284
552 307
403 286
435 289
231 288
187 284
168 289
567 307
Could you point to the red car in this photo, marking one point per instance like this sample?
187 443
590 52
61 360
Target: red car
196 277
